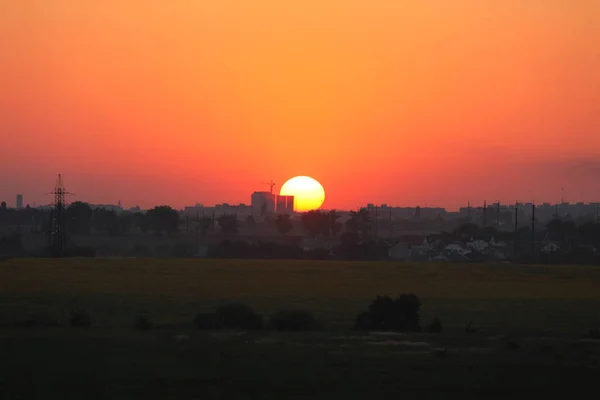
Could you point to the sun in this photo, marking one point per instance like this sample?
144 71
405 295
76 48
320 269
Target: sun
308 193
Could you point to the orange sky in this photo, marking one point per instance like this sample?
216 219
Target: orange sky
400 102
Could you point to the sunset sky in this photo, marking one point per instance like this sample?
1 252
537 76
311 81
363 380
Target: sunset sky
404 102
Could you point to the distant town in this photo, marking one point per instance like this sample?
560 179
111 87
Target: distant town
489 232
264 205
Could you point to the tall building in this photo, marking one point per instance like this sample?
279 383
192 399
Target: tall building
263 204
19 201
284 204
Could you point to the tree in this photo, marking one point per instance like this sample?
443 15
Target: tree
466 231
229 224
141 222
79 218
333 225
3 213
315 223
106 221
163 219
284 224
204 224
360 222
126 221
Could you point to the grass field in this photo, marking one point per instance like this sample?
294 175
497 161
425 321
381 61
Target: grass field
547 310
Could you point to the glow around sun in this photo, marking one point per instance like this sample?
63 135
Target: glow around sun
308 193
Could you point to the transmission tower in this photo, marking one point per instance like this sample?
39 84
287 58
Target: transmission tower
57 235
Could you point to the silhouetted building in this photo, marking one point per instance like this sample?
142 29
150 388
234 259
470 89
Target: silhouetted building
263 204
19 201
284 204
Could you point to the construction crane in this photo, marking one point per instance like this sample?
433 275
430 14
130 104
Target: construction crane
271 185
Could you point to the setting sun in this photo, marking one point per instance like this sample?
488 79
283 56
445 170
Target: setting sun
308 193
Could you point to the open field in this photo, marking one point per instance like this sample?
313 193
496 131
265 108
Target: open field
547 310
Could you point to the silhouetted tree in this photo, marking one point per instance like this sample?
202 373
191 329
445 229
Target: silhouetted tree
387 314
466 231
229 224
359 222
163 219
315 223
3 205
333 225
106 221
204 224
79 218
589 233
141 222
126 221
284 224
349 239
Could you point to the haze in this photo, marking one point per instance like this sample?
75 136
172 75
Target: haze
400 102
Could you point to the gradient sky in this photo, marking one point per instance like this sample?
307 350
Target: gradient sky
400 102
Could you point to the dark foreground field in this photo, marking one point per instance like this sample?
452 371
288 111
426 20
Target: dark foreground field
532 340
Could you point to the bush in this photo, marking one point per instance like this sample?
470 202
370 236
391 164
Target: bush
206 321
293 320
81 251
37 322
435 326
364 321
80 318
470 329
141 250
238 316
143 323
387 314
595 334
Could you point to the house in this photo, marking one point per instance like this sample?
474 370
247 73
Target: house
478 245
456 249
551 247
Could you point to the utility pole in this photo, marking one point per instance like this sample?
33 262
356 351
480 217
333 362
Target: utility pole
515 232
533 229
376 220
498 214
468 209
484 213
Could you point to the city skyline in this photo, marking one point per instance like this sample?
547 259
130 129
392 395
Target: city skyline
421 103
198 204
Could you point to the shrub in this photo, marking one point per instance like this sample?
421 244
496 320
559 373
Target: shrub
143 323
470 329
293 320
141 250
512 346
238 316
441 353
80 318
82 251
595 334
206 321
364 321
37 322
387 314
435 326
